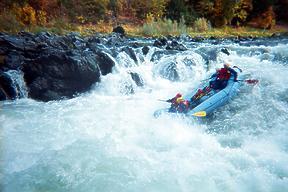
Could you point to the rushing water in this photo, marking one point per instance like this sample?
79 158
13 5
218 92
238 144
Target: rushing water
108 139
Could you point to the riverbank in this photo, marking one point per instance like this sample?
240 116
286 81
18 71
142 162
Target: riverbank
153 30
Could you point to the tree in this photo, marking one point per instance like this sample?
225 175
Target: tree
281 7
228 8
241 12
176 9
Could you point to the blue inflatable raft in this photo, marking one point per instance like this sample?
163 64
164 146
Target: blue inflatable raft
211 101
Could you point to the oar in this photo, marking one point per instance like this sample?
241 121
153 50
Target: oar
200 114
163 100
250 81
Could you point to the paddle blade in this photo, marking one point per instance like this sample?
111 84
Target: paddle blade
252 81
200 114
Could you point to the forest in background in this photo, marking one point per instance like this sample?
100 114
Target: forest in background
201 15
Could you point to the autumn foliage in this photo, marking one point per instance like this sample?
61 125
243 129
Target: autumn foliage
201 13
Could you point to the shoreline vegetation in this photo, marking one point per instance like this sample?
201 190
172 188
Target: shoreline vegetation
147 18
154 30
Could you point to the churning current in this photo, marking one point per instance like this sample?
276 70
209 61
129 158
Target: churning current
108 140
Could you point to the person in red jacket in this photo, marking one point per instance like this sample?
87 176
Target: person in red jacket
178 104
222 77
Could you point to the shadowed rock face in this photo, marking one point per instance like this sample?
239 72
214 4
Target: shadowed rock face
60 74
7 90
54 67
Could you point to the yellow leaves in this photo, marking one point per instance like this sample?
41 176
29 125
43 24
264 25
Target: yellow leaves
150 18
25 15
201 25
41 18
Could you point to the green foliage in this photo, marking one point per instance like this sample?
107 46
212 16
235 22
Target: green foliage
204 8
241 12
164 27
144 7
201 25
228 10
94 9
58 15
176 9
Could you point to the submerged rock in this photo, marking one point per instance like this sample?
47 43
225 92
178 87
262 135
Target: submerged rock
137 79
129 51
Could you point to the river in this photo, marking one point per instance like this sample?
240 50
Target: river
108 140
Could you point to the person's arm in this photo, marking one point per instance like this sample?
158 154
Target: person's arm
214 75
234 73
170 100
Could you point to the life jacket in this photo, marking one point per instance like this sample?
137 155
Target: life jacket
223 74
180 105
200 93
183 106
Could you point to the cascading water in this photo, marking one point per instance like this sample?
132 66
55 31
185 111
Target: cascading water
108 140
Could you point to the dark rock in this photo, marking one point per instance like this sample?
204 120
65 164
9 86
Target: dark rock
55 66
174 45
137 79
160 42
11 43
198 39
145 50
224 50
134 45
119 29
115 39
62 73
14 60
104 62
7 90
129 51
26 34
157 55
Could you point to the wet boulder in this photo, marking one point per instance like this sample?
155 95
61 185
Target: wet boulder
145 50
137 79
119 29
13 60
104 62
225 50
60 74
167 70
160 42
7 90
129 51
174 45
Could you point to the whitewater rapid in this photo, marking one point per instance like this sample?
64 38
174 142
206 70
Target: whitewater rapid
108 140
